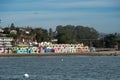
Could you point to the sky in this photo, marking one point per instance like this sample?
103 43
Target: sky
103 15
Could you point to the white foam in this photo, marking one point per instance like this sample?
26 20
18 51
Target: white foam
26 75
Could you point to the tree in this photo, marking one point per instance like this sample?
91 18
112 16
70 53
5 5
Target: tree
74 34
12 35
51 34
6 30
40 34
12 27
85 33
62 38
111 40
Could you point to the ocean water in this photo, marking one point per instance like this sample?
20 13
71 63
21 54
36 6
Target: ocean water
60 68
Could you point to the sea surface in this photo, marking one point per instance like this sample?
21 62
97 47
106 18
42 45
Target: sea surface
60 68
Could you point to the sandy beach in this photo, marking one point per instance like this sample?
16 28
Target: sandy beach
102 53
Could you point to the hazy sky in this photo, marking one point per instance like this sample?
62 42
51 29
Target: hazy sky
103 15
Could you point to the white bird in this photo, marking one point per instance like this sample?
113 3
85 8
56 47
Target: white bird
26 75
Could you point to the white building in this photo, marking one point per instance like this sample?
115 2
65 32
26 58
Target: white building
1 30
5 41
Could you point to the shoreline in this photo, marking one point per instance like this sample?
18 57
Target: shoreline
102 53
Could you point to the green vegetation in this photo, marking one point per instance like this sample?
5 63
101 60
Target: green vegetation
64 34
112 40
74 34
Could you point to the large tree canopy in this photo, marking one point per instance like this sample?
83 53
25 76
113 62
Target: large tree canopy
111 40
73 34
